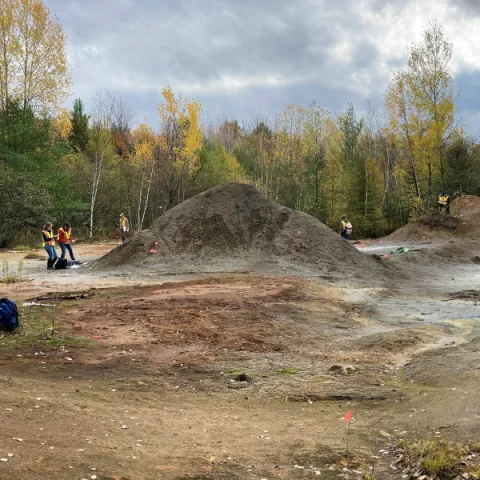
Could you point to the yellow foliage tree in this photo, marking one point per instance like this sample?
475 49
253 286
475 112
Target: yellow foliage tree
421 110
62 124
145 159
183 139
33 63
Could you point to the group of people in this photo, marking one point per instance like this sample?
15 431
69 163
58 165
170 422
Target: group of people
443 207
64 238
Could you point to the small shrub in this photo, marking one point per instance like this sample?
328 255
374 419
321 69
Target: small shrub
20 269
288 371
437 457
7 277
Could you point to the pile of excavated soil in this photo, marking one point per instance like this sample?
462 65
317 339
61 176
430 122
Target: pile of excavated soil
233 227
462 224
467 210
428 229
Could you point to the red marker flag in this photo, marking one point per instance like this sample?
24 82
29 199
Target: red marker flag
348 417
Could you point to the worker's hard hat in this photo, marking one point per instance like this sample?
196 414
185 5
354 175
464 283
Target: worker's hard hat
122 214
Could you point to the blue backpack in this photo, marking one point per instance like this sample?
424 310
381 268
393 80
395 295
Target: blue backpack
8 315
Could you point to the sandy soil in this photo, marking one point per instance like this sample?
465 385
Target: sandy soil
143 379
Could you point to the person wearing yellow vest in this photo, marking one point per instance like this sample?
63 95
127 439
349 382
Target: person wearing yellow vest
65 240
49 244
444 203
446 199
345 228
124 227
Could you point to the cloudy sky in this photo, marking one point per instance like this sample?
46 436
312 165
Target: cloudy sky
244 58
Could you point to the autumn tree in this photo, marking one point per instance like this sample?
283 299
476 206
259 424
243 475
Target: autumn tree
255 153
145 159
290 153
421 109
229 134
217 166
33 61
183 139
8 49
433 94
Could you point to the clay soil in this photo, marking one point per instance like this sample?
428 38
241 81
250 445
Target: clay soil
143 380
244 373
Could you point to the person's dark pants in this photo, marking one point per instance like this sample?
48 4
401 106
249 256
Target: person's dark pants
124 236
445 208
345 235
65 247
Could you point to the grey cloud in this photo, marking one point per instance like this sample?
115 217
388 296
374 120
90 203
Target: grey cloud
137 47
365 54
471 6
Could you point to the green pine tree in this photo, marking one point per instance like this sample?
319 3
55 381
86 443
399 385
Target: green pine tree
79 133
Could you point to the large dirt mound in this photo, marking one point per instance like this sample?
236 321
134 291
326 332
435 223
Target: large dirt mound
467 210
462 224
235 226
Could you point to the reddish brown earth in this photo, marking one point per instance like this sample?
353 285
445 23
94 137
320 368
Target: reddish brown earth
163 355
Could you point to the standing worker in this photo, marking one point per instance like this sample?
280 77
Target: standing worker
49 244
345 228
124 227
64 240
441 202
444 203
446 199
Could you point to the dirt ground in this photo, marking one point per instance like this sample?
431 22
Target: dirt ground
242 374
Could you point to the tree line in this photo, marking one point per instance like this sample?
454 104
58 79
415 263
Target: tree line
88 164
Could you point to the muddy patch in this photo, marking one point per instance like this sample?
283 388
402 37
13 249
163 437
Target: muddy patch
473 295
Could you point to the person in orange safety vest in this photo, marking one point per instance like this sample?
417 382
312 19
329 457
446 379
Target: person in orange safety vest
65 240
